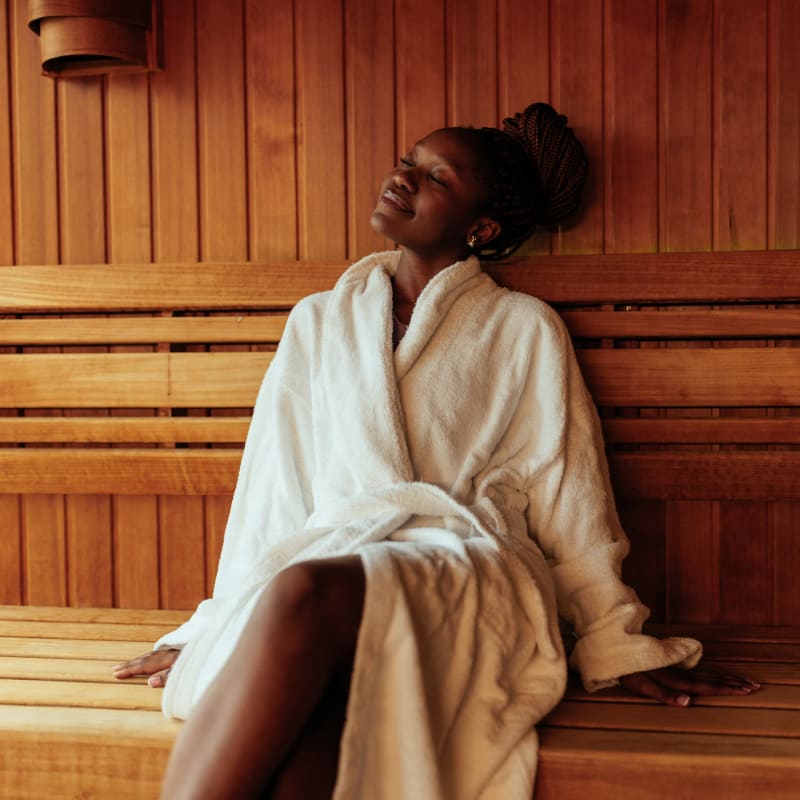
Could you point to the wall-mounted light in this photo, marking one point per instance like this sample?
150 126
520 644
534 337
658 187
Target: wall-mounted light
92 37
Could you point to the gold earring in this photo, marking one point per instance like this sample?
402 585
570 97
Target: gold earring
473 240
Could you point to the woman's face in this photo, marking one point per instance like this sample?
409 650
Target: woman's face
432 199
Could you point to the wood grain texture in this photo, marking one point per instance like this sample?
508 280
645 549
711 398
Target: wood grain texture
631 108
271 134
685 59
472 62
11 562
6 183
421 79
320 129
577 91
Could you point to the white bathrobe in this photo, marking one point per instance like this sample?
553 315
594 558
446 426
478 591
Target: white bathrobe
466 469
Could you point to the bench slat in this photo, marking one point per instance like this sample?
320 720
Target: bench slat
134 697
578 763
763 671
769 696
265 329
700 324
61 669
139 430
755 430
82 631
693 377
124 616
132 380
120 471
741 721
114 651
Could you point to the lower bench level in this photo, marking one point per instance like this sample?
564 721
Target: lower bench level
68 729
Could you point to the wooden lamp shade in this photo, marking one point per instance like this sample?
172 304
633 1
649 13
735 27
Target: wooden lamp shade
91 37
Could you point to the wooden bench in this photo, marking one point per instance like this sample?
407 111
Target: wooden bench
125 403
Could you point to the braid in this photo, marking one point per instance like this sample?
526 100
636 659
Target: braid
535 168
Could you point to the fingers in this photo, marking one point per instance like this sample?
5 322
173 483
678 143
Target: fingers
643 684
677 687
159 661
159 679
704 682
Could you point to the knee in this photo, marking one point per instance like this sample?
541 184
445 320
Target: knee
316 605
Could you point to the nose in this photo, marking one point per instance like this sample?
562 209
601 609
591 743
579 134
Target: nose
404 179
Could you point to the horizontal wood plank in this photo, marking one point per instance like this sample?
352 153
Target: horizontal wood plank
692 377
61 669
655 277
121 330
132 380
701 324
655 765
706 476
700 430
177 287
82 631
132 430
725 720
115 651
124 616
123 695
119 471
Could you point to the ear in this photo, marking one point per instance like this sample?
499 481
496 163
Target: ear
484 229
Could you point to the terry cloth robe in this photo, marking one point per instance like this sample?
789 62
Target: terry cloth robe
467 470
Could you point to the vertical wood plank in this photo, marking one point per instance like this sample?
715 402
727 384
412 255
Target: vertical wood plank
371 150
182 557
685 61
577 92
472 62
644 569
134 519
420 55
174 140
631 113
216 516
34 153
523 70
786 531
89 551
222 141
322 196
745 564
740 125
693 577
45 550
82 214
176 238
272 172
6 193
10 549
784 125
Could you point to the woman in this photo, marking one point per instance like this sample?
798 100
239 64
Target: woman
422 492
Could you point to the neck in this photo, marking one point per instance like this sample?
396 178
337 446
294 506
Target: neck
413 274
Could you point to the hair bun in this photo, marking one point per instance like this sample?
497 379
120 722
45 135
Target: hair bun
556 154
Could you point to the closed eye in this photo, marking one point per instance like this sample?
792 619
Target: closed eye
407 162
437 180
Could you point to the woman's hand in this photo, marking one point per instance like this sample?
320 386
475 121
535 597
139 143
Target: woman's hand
156 665
677 687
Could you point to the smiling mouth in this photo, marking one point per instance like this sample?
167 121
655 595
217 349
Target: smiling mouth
396 201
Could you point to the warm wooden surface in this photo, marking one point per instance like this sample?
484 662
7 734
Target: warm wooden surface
148 409
68 728
610 745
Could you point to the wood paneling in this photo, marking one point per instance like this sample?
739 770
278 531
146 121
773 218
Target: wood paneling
266 136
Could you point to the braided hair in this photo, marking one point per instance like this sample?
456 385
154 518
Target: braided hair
535 169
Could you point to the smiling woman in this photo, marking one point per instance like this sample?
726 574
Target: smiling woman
384 622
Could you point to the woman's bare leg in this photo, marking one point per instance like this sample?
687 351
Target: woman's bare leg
300 640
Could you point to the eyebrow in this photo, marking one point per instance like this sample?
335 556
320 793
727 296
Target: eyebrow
445 162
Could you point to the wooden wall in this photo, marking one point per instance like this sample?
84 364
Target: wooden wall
265 138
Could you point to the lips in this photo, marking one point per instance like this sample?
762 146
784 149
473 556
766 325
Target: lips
392 198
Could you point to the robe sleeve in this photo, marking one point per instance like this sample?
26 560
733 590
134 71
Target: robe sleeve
273 495
573 518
